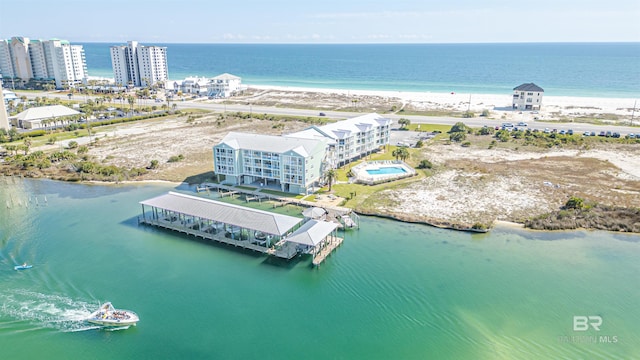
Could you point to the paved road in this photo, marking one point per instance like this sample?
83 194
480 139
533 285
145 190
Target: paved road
578 128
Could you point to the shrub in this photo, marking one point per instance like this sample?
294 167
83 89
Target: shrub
175 158
154 164
419 144
72 144
457 136
485 113
425 164
574 203
466 144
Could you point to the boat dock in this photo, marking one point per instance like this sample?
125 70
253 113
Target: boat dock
270 233
285 252
333 244
344 217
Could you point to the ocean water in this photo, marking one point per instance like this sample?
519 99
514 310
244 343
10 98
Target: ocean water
391 291
562 69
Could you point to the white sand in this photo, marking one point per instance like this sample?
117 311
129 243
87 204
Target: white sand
552 106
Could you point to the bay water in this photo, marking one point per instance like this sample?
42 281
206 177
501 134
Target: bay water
392 291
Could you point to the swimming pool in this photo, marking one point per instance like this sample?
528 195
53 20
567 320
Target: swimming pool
386 170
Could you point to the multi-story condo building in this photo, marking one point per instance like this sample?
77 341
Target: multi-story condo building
527 97
352 138
139 65
58 60
293 164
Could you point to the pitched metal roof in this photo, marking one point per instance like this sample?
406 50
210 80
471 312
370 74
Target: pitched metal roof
312 232
267 222
226 76
529 87
45 112
345 128
274 144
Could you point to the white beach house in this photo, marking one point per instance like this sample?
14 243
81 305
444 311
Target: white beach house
527 97
224 85
292 164
350 139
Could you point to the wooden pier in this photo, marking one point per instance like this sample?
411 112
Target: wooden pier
327 250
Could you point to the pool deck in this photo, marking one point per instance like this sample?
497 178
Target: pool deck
362 176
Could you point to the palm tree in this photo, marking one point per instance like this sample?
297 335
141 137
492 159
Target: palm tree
330 175
27 145
401 153
132 101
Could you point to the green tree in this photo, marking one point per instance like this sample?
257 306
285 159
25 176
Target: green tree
459 127
404 123
154 164
401 153
329 176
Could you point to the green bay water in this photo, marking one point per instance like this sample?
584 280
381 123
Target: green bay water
392 290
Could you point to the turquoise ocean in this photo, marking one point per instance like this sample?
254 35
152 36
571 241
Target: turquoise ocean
391 291
562 69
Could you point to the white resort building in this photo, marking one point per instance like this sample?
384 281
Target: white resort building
23 59
527 97
293 164
139 65
352 138
297 162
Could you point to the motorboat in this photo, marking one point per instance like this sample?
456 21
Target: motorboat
107 315
22 267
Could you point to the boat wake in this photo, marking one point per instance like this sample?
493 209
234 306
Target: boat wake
37 310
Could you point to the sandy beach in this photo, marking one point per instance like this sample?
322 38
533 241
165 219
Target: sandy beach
553 107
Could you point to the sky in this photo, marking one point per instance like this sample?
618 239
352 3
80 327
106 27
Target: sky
322 21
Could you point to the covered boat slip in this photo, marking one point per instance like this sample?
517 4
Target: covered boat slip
240 226
316 237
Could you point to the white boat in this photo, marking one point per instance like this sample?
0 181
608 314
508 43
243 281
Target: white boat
107 315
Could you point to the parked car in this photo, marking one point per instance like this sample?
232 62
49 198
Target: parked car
322 114
547 131
562 132
631 136
615 135
507 125
570 132
586 133
608 134
593 133
602 133
521 123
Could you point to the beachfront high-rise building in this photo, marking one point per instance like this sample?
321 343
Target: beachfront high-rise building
139 65
527 97
23 59
4 118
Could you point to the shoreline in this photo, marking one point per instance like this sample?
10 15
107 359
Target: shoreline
552 106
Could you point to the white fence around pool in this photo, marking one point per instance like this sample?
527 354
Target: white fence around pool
363 177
